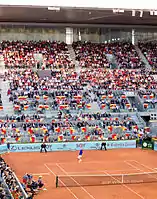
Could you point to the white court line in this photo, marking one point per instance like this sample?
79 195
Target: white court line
136 168
144 166
41 174
61 168
62 182
101 171
85 162
125 186
142 170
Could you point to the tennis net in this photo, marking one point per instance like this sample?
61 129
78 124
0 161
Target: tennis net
107 179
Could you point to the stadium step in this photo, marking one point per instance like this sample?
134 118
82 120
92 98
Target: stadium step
7 106
95 107
72 56
138 103
155 77
153 128
139 121
2 67
142 57
112 60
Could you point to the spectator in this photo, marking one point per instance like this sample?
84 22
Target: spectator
40 182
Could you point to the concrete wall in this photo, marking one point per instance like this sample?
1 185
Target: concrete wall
97 35
111 35
143 35
94 35
87 34
114 34
32 34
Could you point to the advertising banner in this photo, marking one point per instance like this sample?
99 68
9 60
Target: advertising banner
3 148
147 145
155 146
73 146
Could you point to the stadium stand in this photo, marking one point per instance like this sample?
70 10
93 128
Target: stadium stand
94 55
90 55
20 54
126 55
118 79
75 84
84 127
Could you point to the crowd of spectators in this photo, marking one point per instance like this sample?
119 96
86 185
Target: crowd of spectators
93 55
148 98
126 55
56 56
61 91
68 93
114 101
67 127
126 80
18 54
90 55
32 186
13 188
21 54
71 94
3 192
9 179
149 49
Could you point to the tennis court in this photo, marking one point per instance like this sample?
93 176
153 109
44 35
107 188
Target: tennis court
113 174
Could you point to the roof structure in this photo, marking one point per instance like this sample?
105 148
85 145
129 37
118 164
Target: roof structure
133 4
38 14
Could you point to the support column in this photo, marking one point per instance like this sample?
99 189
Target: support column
79 35
109 35
69 35
133 36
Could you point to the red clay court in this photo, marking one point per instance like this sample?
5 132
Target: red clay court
120 161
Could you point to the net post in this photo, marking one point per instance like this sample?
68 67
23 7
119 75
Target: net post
56 181
122 178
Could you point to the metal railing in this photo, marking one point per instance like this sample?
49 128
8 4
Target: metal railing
6 188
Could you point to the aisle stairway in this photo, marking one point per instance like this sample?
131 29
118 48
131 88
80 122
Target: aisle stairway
2 66
153 130
7 106
136 100
139 121
4 86
142 57
94 105
72 56
112 60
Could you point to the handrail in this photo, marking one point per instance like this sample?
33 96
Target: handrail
5 184
19 184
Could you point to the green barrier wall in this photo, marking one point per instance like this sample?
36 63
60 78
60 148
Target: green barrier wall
147 145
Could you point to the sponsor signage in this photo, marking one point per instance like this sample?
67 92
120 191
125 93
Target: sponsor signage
147 145
72 146
155 146
3 148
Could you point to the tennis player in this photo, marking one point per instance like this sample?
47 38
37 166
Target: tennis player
80 155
